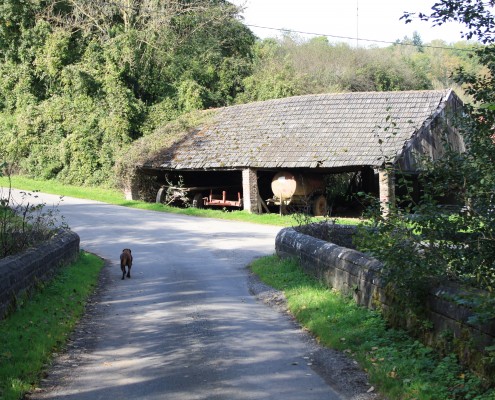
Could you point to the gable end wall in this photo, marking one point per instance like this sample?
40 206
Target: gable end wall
430 139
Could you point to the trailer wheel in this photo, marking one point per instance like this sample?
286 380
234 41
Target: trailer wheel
161 194
319 206
198 200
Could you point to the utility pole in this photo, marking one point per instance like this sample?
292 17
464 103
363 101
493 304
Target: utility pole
357 23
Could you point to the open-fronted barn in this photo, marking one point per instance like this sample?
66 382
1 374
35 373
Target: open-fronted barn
309 137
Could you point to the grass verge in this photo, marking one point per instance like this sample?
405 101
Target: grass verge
398 366
116 197
41 325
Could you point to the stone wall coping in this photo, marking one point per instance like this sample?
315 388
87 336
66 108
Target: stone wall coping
21 272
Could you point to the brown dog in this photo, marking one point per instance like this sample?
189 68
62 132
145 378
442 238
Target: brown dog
126 260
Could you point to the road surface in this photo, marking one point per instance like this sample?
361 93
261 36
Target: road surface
185 326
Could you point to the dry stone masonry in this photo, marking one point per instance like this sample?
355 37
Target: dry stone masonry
21 272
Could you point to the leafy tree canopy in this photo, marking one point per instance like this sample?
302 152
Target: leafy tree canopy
450 232
476 15
83 78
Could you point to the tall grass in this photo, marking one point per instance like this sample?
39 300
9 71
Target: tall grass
41 325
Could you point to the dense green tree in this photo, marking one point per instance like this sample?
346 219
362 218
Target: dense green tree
476 15
274 75
83 78
417 41
472 175
450 232
291 66
92 76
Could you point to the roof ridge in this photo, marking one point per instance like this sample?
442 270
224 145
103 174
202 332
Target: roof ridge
336 94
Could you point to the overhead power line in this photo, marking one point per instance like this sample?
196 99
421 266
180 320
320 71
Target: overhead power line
356 39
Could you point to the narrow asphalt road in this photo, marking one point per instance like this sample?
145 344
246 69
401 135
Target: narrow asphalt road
185 326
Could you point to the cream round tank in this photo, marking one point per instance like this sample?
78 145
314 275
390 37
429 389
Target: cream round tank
286 185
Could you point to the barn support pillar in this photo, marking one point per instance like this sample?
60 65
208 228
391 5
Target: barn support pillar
131 190
386 177
250 190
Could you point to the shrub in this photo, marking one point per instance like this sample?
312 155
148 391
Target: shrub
25 221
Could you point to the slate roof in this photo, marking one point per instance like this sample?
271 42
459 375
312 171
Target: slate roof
324 130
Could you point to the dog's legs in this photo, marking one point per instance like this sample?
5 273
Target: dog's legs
129 271
123 272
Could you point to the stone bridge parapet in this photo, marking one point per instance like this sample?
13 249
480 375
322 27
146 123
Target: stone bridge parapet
354 273
21 272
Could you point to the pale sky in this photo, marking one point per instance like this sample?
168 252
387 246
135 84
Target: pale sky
367 19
